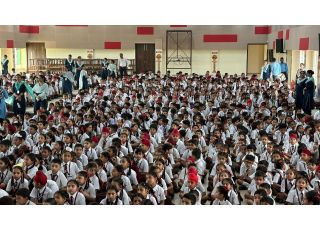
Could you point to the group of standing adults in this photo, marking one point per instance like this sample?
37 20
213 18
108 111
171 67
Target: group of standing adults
77 75
305 86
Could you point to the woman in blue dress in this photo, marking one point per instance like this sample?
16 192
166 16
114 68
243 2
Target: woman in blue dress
300 85
19 103
3 107
308 101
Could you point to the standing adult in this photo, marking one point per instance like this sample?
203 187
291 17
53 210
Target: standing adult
3 107
69 63
19 102
123 65
284 68
300 85
104 65
308 101
67 78
79 65
275 69
301 68
5 63
265 71
41 91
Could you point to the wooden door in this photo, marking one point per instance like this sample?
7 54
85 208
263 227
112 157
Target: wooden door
145 57
35 50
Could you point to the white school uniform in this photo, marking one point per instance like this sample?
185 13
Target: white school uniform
149 157
16 184
44 193
233 197
143 165
116 202
187 190
126 183
31 171
78 199
59 178
53 186
94 180
302 166
3 193
70 170
90 153
108 166
5 176
102 175
83 159
159 193
132 175
221 202
295 196
123 196
90 189
152 199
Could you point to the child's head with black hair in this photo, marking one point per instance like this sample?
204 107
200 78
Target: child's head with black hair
61 197
196 153
117 171
266 200
72 186
259 177
267 188
301 182
4 164
222 157
222 193
82 178
138 153
311 198
118 183
152 178
138 199
22 196
258 195
279 164
112 193
249 160
6 200
92 168
189 199
29 159
228 183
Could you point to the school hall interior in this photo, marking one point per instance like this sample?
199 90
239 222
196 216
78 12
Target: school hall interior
187 48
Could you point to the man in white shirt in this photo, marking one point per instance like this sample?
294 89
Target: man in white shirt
123 65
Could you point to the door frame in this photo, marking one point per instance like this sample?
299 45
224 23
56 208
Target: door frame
144 43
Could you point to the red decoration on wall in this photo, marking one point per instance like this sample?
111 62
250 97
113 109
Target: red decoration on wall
145 30
72 25
287 34
262 29
280 34
220 38
178 25
10 44
112 45
304 43
29 29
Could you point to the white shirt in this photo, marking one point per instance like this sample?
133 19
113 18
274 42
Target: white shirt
159 193
221 202
123 62
59 178
3 193
70 170
295 196
44 193
78 199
